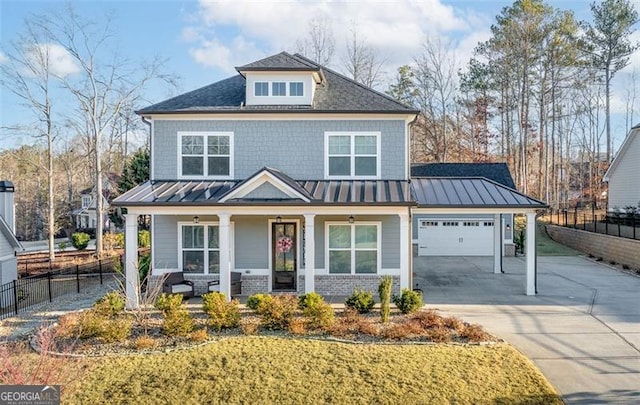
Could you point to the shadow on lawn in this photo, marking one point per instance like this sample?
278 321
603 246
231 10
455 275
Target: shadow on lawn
530 400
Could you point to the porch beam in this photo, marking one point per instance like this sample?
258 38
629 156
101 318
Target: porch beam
531 253
132 277
497 244
225 254
405 251
309 253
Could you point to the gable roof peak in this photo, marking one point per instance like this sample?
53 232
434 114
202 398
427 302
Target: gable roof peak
282 61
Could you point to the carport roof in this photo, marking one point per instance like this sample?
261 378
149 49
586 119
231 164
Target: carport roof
468 192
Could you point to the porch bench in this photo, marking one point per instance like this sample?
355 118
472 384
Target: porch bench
176 284
236 284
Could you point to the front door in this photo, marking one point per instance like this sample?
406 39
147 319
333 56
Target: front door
284 256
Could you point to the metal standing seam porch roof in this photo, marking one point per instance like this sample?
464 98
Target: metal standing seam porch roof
469 192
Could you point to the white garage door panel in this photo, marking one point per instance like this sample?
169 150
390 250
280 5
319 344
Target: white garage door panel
460 237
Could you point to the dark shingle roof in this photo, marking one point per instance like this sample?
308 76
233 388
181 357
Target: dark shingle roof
498 172
280 61
337 94
471 192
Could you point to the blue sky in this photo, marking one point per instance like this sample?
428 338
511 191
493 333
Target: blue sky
203 41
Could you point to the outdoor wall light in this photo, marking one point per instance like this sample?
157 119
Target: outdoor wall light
508 227
278 219
351 219
196 219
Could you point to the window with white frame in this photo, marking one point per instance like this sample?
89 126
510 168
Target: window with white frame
353 248
296 89
353 154
278 89
206 154
261 88
86 201
200 249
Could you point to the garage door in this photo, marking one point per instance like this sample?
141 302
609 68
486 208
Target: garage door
459 237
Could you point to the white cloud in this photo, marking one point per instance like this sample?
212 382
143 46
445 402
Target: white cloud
395 28
634 59
58 59
3 58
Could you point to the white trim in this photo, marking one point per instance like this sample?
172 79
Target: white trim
626 144
352 155
270 222
153 250
267 210
257 181
8 257
327 265
472 211
249 116
206 224
152 161
205 156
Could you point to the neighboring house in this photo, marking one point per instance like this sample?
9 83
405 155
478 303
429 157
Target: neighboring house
291 174
623 175
9 244
85 216
466 234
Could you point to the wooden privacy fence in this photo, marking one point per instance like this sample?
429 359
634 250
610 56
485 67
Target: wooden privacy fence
26 292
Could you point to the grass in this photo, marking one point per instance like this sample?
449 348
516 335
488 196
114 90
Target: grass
548 247
280 370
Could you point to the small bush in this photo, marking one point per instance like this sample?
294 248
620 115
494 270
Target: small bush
384 290
453 323
428 319
63 245
199 335
80 240
90 324
112 241
409 301
362 301
68 325
168 302
439 335
177 322
249 326
351 323
254 300
111 304
296 326
116 330
474 333
277 311
401 331
222 314
144 239
318 313
144 342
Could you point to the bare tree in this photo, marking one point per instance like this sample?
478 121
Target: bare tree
318 44
362 62
29 74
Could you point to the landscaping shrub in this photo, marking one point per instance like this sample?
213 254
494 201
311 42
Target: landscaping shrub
144 264
199 335
318 313
177 322
439 335
409 301
68 325
474 333
222 314
112 241
428 319
168 302
276 311
144 342
384 290
249 326
296 326
63 245
453 323
116 330
401 331
362 301
351 323
80 240
92 324
144 239
254 300
110 305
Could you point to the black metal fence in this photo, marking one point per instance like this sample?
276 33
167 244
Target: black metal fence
29 291
623 225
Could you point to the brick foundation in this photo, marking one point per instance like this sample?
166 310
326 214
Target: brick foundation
610 248
345 284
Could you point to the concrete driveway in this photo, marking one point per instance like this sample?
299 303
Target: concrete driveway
582 329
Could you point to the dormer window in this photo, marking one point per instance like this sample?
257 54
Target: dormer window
262 88
278 89
296 89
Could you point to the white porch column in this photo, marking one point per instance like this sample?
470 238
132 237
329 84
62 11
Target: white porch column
132 277
309 253
225 254
405 252
497 244
531 253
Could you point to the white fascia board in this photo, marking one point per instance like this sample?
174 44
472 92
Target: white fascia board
269 210
626 144
471 211
264 177
253 116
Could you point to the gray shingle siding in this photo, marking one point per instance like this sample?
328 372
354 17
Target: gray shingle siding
294 147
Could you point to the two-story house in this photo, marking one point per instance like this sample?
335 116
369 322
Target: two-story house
288 172
86 216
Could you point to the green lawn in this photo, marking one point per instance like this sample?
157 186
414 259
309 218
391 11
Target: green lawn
281 370
548 247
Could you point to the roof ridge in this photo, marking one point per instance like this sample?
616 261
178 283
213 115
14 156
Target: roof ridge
322 67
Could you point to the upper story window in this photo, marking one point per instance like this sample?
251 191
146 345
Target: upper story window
296 89
206 154
278 89
262 88
352 155
86 201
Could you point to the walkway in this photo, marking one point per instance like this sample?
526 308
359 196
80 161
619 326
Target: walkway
582 330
